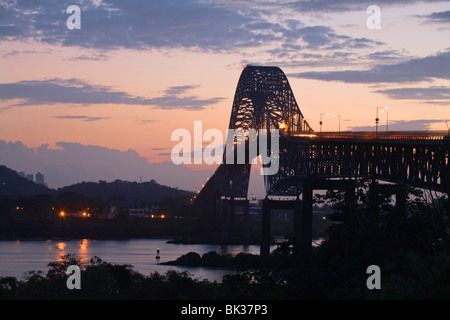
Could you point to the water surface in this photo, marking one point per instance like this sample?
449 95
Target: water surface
18 257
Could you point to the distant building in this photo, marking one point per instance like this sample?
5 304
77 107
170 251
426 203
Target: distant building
133 209
30 177
39 177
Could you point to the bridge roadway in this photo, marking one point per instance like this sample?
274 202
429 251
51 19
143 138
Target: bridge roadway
416 158
437 136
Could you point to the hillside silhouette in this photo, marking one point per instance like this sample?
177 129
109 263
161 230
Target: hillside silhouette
134 191
13 185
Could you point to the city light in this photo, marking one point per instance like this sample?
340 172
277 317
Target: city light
161 216
387 118
384 109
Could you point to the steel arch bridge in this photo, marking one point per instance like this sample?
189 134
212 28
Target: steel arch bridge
264 100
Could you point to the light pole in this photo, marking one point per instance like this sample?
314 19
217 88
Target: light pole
377 120
334 116
326 113
387 117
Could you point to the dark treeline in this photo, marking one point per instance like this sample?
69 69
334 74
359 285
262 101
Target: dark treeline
409 243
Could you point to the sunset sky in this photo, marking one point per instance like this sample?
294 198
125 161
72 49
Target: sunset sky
137 70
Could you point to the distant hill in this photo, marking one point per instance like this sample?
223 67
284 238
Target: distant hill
133 191
14 185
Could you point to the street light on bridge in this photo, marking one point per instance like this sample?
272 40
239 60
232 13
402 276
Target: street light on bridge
377 119
334 116
387 118
322 113
282 126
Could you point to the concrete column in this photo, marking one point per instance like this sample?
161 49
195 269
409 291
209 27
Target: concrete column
246 221
373 196
400 198
298 219
306 221
349 213
265 229
231 215
214 215
224 219
349 201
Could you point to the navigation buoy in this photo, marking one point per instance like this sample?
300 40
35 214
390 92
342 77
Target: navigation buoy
157 254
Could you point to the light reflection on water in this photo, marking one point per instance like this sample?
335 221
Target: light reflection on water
18 257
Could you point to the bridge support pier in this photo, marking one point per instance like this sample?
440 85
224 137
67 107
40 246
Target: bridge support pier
228 219
302 220
246 222
303 214
399 190
264 250
224 223
298 209
306 218
213 220
400 198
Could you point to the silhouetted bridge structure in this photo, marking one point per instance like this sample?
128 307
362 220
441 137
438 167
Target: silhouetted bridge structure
309 160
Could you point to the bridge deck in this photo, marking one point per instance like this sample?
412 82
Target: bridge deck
428 137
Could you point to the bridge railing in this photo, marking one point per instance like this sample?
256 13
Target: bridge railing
369 135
